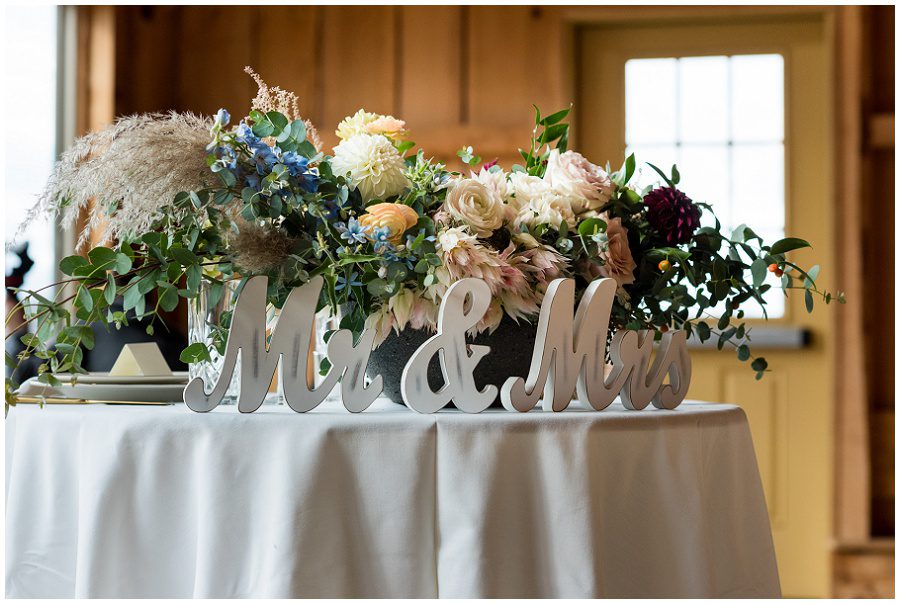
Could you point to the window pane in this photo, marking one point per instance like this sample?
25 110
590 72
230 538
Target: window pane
703 99
728 141
662 156
759 187
30 143
650 101
705 174
757 97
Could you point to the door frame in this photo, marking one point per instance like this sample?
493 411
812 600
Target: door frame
574 20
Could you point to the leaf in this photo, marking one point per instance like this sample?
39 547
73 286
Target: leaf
195 353
590 226
194 276
168 299
809 301
758 270
68 264
787 244
811 276
123 263
676 177
759 364
84 299
100 256
719 269
183 256
743 352
278 120
109 292
663 174
30 340
630 166
131 297
703 331
553 118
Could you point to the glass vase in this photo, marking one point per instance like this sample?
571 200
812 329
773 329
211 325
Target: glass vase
209 315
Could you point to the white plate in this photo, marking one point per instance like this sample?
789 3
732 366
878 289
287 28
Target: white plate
163 393
102 377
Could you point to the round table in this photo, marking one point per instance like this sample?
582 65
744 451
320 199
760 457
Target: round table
136 501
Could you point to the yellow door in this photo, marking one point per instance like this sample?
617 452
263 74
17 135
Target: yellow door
780 180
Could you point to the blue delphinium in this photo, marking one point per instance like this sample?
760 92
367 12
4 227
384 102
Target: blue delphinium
244 134
263 156
226 158
352 231
298 167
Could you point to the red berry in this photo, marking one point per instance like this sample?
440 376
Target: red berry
664 328
773 267
665 265
778 272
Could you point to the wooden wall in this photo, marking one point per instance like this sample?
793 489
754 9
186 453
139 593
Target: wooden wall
457 75
878 254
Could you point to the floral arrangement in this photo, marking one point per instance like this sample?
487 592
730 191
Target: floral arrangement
189 204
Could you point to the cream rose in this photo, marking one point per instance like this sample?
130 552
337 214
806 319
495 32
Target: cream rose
619 264
575 177
539 204
472 203
396 217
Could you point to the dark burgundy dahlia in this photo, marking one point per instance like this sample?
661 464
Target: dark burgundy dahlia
672 214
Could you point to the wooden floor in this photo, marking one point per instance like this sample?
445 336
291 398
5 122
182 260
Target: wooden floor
864 570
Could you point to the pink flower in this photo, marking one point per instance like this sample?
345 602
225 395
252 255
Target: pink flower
575 177
618 262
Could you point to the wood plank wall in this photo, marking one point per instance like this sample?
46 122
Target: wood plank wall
878 254
457 75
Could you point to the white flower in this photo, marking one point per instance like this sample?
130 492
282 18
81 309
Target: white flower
495 181
526 188
355 124
464 256
538 203
374 164
473 204
452 238
573 176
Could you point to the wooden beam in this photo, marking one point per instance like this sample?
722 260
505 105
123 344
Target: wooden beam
95 82
880 131
852 464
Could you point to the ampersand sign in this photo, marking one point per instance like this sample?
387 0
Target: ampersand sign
462 308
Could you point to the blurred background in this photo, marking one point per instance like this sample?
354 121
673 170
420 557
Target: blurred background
781 117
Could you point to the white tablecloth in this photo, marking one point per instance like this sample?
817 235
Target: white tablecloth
112 501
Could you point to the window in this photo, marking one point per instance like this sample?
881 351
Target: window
721 120
31 37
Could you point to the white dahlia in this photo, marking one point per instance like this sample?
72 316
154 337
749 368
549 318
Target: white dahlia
374 165
355 124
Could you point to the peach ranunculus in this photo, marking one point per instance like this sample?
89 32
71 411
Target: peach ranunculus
618 262
396 217
387 125
475 205
571 174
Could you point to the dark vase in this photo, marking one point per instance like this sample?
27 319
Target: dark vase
511 348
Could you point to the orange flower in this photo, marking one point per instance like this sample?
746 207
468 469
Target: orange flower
396 217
